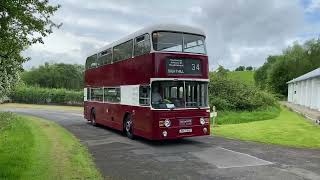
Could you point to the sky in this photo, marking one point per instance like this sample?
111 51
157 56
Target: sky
239 32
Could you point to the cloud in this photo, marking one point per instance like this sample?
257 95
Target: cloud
239 32
313 6
246 32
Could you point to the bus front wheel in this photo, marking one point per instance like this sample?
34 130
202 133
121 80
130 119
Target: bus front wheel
128 127
93 117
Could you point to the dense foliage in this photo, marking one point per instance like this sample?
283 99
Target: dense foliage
292 63
230 94
38 95
68 76
22 23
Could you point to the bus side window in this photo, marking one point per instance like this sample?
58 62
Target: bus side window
106 57
112 95
96 94
144 95
91 62
142 45
123 51
100 61
89 94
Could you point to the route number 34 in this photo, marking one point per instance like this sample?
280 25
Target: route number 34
195 67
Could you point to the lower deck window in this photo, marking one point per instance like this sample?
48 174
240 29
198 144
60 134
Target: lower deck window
104 94
144 95
112 95
96 94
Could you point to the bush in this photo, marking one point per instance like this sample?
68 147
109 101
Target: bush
228 94
37 95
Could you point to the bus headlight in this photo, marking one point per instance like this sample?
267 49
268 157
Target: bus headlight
202 121
167 123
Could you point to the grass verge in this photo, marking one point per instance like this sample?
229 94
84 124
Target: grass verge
38 106
289 129
234 117
33 148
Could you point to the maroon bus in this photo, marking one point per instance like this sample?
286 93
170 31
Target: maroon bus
152 83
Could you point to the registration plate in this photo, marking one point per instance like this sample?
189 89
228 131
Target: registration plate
185 130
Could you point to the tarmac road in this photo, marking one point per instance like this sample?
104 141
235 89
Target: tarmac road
192 158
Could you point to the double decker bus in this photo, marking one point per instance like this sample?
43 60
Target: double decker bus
152 83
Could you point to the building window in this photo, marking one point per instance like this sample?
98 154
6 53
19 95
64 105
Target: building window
144 95
142 45
112 95
96 94
123 51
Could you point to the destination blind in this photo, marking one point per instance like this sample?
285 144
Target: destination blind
183 66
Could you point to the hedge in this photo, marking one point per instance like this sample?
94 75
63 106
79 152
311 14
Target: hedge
229 94
38 95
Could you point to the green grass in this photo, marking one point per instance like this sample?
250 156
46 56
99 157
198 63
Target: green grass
243 76
33 148
289 129
37 106
235 117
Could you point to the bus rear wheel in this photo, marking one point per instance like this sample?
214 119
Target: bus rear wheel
128 127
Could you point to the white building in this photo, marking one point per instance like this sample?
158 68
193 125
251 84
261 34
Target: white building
305 90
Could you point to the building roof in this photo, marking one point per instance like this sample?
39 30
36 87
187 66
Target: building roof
312 74
150 29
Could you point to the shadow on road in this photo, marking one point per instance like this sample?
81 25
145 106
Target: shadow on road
169 142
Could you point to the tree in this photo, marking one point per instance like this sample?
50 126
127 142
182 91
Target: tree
295 61
69 76
221 71
278 75
261 74
240 68
22 23
249 68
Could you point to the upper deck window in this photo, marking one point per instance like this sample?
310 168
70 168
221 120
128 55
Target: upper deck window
105 57
142 45
123 51
178 42
91 62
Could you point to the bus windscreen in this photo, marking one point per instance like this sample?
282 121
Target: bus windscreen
178 42
179 94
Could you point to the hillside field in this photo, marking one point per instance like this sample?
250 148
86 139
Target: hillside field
243 76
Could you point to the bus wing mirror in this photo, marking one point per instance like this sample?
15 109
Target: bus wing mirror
213 112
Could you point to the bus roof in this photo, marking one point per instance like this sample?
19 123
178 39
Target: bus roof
150 29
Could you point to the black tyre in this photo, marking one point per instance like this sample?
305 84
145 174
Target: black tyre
93 117
128 127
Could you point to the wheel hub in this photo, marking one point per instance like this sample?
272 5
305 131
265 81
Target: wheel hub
128 126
